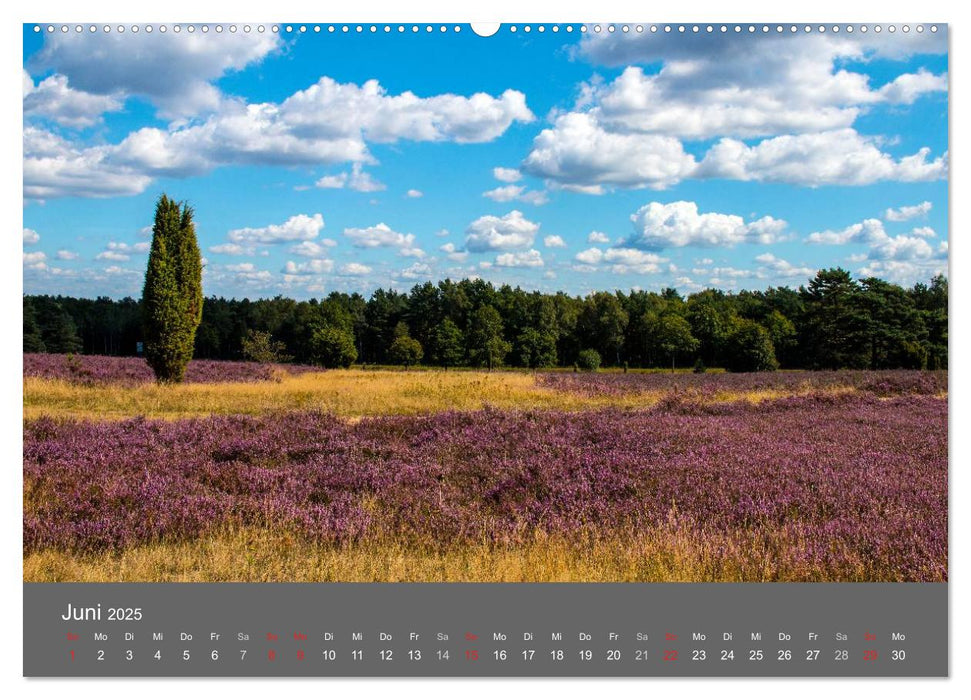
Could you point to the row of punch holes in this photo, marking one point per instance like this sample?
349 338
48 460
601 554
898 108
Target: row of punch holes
512 28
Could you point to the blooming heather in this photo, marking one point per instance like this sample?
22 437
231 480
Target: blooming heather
879 382
832 487
129 371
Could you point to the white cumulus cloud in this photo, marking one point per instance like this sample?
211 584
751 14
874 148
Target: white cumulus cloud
908 212
510 232
507 174
416 270
357 180
771 266
526 258
354 269
452 253
383 236
35 260
578 152
300 227
174 71
881 245
54 99
679 224
766 84
312 249
841 157
310 267
327 123
509 193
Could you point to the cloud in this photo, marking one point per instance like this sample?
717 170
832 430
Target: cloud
510 232
174 71
140 247
312 249
383 236
905 272
554 242
866 231
771 266
923 232
636 102
242 274
504 194
507 174
882 246
621 260
30 236
766 84
332 182
841 157
679 224
232 249
310 267
35 260
535 197
53 168
356 180
730 272
64 254
452 253
297 228
327 123
597 237
910 212
629 260
906 88
527 258
794 91
901 248
577 151
590 256
332 107
580 155
120 252
416 271
354 269
414 194
509 193
54 99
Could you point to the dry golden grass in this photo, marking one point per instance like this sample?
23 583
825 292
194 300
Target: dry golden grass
666 554
347 393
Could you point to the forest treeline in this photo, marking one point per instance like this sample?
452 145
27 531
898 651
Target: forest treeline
832 322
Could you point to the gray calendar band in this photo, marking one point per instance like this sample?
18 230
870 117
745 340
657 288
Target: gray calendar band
513 629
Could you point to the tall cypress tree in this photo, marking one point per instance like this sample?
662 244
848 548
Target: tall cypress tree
172 296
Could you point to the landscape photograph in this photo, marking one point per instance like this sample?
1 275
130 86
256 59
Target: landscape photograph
403 303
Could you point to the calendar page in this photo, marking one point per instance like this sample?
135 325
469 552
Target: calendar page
591 349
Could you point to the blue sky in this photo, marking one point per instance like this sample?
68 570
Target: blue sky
554 160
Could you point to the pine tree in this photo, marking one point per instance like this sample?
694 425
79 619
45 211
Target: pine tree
33 341
172 296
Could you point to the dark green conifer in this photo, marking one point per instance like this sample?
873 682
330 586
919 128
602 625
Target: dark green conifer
172 296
